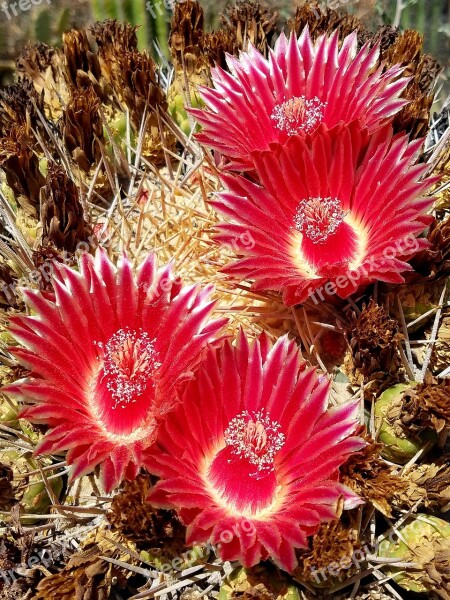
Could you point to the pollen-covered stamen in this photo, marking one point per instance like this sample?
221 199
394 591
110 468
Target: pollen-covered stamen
256 438
298 114
129 363
318 218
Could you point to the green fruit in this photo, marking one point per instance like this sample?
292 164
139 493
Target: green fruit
241 580
36 499
424 537
396 448
8 415
168 561
178 112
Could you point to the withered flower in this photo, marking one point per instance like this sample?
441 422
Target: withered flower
133 81
186 31
19 105
8 282
191 52
86 574
138 88
426 406
62 213
113 39
216 45
43 65
424 541
373 479
82 64
324 20
82 129
332 546
440 358
21 167
433 481
434 261
373 339
406 50
146 526
251 23
7 495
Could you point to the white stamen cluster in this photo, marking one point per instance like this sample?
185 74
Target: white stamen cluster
318 218
256 438
298 114
129 362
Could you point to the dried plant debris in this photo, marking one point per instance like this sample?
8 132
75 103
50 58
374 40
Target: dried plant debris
321 19
432 482
7 495
373 357
62 213
149 528
329 560
425 543
87 574
374 480
426 406
251 23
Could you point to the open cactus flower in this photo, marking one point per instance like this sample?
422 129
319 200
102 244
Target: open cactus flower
330 215
300 86
224 307
260 473
105 356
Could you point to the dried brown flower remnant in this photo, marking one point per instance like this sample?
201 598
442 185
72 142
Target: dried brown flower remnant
426 406
331 547
43 65
87 575
433 481
321 19
8 283
440 359
7 496
82 64
414 117
186 31
34 61
146 526
113 39
62 214
216 45
373 479
385 36
138 88
113 36
373 339
424 541
434 261
19 106
250 23
423 69
21 167
81 128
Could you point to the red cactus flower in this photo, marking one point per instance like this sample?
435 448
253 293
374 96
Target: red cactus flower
331 214
105 355
250 457
301 85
